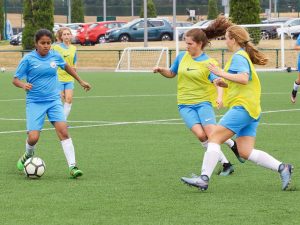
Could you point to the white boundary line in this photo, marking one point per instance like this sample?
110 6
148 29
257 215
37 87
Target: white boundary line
152 122
133 96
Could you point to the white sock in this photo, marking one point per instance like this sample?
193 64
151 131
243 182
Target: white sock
67 109
229 143
264 159
29 149
211 158
69 151
223 158
296 86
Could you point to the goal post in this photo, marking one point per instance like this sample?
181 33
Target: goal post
143 59
274 46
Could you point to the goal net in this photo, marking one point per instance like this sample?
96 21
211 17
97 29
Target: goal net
143 59
267 39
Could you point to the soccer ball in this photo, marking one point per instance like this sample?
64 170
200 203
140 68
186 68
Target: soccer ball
2 69
34 167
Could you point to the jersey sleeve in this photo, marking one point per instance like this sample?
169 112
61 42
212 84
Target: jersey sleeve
212 76
60 61
175 65
239 64
22 69
298 41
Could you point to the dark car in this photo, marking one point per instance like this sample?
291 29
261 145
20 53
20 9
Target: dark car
16 39
271 32
158 30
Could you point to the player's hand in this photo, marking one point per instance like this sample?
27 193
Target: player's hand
219 102
157 69
27 86
215 69
221 83
85 85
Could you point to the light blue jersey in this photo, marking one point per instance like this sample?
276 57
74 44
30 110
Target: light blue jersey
298 44
202 57
41 72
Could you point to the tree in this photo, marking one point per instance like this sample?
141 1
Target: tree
212 9
77 15
151 10
246 12
1 20
37 15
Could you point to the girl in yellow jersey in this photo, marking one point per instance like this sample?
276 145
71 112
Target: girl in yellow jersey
244 114
68 52
195 90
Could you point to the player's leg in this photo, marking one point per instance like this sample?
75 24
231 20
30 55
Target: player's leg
68 95
208 122
35 117
261 158
296 85
211 158
56 116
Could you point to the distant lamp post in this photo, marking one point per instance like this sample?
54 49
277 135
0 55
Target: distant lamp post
132 8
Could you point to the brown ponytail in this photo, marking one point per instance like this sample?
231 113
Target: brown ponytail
241 36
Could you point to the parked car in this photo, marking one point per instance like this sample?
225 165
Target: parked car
81 35
16 39
96 32
182 24
158 30
271 32
290 28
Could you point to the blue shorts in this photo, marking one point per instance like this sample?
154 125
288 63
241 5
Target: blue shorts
66 86
238 120
37 111
202 113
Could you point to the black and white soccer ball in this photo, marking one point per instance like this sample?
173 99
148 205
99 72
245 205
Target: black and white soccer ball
34 167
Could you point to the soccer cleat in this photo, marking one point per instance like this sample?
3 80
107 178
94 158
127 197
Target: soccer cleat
22 160
75 172
293 96
236 152
285 171
227 169
200 182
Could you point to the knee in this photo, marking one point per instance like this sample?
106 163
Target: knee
202 137
68 100
32 139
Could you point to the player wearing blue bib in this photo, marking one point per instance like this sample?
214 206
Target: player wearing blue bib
297 81
243 98
39 69
196 93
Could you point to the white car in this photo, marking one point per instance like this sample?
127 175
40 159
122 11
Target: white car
290 28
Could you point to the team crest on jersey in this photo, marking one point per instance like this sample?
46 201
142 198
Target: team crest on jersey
53 64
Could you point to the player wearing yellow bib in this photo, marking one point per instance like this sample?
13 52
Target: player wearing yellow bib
196 92
68 52
242 119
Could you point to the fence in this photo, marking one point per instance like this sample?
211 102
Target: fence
108 59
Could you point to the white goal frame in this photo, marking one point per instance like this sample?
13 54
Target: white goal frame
128 61
282 43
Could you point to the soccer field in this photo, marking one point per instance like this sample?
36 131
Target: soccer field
133 148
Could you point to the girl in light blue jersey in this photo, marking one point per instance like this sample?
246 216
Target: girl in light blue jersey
39 69
196 93
297 81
